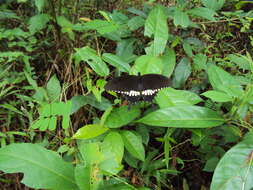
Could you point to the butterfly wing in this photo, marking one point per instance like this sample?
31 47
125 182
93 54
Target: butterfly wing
135 88
129 86
153 83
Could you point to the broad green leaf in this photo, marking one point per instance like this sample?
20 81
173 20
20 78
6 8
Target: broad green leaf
240 60
114 146
147 64
91 153
40 94
217 96
112 149
88 177
200 61
223 81
116 61
183 117
213 4
170 97
135 23
102 26
125 49
203 12
66 26
182 72
137 12
181 18
38 22
133 144
210 164
235 170
79 101
53 89
90 131
95 62
122 116
42 168
156 25
40 4
169 62
188 49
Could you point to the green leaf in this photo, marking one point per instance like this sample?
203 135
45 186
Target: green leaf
40 4
188 49
170 97
54 89
133 144
181 18
183 117
95 62
135 22
52 123
223 81
211 164
200 61
203 12
31 81
125 49
235 170
116 61
182 72
156 24
213 4
217 96
38 22
66 114
169 62
105 115
113 150
79 101
90 131
42 168
147 64
88 177
240 60
122 116
41 123
91 153
101 26
113 144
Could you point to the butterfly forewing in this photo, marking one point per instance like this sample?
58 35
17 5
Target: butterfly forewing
123 84
154 82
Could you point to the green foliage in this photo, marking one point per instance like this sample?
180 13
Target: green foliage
183 117
36 163
239 161
55 58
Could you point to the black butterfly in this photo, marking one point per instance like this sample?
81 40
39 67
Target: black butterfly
136 88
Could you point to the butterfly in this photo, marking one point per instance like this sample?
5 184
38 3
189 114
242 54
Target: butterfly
138 88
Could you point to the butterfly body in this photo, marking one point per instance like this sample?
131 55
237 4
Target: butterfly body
137 88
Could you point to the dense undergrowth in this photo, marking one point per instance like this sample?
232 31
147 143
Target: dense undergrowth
61 130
